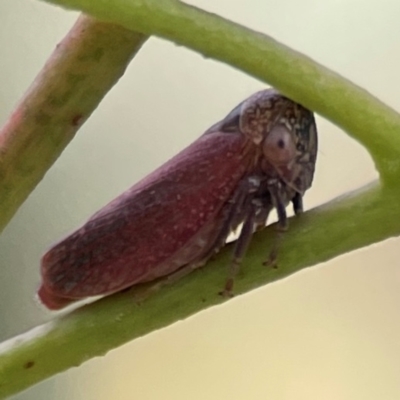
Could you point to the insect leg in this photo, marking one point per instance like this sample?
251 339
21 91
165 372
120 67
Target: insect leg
233 216
279 203
297 203
240 207
265 207
240 248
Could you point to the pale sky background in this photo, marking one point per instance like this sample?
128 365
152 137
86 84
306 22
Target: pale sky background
330 332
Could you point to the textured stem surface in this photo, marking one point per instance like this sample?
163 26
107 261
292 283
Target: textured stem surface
79 73
93 330
363 116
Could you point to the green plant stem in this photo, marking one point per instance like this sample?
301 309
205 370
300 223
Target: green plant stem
82 69
337 227
363 116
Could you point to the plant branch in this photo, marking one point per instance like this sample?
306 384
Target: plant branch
73 82
93 330
364 117
82 69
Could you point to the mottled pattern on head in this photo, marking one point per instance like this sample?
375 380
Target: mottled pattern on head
260 112
268 108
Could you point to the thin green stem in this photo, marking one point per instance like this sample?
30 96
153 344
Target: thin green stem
363 116
82 69
73 82
93 330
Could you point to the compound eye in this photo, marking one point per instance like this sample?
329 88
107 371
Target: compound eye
278 146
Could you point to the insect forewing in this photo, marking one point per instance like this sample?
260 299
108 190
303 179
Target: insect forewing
132 238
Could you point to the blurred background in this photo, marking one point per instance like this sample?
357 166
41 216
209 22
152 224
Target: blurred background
330 332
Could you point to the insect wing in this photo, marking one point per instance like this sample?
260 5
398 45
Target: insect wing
131 239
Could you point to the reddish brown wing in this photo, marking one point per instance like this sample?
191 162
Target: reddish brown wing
132 239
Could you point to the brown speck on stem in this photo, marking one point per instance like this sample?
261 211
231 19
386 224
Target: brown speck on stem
77 120
29 364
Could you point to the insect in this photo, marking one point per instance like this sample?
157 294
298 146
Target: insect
261 156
